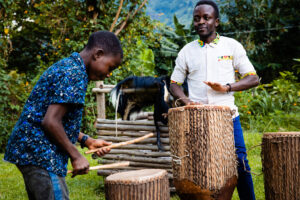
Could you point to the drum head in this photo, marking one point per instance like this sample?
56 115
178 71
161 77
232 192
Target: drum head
136 176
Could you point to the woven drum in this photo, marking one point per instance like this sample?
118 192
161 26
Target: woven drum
281 165
145 184
202 146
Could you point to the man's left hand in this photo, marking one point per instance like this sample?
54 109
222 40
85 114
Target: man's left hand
217 86
97 143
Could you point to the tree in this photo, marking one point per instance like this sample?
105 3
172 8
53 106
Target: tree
269 30
37 33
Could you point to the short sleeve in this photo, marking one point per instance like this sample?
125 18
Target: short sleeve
69 87
180 69
241 61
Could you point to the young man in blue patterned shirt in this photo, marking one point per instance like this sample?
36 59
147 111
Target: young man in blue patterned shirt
43 138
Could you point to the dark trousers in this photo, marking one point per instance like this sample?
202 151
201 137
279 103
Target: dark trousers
43 185
245 183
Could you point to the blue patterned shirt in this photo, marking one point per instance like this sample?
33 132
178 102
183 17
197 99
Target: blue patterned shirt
64 82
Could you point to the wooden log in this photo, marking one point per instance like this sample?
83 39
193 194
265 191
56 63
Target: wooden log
122 139
166 160
127 90
140 153
128 133
108 86
127 122
140 164
122 127
100 98
101 90
123 143
137 168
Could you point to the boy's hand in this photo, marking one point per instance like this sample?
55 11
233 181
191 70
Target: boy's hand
80 165
95 144
217 86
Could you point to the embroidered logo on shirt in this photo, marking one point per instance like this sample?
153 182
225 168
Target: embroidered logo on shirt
220 58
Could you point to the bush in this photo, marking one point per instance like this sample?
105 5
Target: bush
271 107
14 90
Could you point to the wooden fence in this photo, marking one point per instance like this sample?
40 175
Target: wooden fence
141 155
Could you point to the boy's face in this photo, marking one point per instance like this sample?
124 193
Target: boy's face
101 66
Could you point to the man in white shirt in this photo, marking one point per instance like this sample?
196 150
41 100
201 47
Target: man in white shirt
209 64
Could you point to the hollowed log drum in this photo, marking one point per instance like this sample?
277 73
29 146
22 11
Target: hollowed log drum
281 165
202 145
145 184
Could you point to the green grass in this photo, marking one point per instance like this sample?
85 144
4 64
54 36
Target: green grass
90 186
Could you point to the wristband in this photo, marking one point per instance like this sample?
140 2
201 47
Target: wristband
229 90
83 140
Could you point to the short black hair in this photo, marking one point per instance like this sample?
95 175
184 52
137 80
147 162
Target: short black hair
211 3
107 41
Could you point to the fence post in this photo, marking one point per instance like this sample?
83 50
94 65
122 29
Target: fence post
100 98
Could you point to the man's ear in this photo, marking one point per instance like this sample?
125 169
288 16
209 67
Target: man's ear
217 22
98 52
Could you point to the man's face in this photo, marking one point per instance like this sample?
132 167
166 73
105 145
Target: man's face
205 22
102 66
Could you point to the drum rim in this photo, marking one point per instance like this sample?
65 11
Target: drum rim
158 172
201 107
281 134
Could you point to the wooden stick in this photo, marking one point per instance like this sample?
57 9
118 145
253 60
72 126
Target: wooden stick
108 166
122 143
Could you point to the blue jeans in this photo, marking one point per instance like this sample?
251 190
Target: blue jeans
43 185
245 184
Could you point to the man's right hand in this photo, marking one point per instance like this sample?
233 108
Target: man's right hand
80 165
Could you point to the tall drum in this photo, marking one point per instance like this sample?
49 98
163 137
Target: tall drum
145 184
281 165
202 146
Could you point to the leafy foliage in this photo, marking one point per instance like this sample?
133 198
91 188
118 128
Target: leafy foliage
14 90
33 37
271 107
269 30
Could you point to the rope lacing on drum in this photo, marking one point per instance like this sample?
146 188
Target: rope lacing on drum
178 159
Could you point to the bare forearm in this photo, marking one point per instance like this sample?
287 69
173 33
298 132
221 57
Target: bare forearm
245 83
55 131
178 93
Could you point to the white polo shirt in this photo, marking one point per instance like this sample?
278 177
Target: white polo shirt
215 62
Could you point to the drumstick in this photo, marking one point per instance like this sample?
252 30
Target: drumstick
108 166
122 143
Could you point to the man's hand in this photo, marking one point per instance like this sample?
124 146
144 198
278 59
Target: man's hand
95 144
80 165
217 86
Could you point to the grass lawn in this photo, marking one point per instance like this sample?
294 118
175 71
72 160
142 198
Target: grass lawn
90 186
